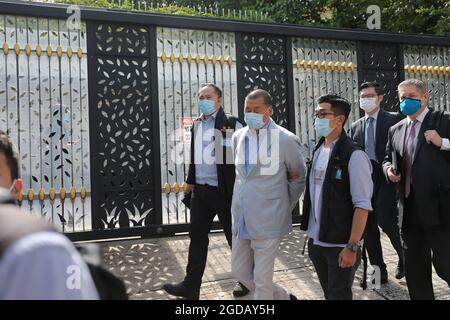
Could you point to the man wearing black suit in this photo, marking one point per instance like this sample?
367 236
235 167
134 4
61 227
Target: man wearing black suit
371 133
210 180
418 159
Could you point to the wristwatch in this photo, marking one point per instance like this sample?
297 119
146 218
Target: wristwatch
353 247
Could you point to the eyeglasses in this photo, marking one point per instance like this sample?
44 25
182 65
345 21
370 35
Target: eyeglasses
322 115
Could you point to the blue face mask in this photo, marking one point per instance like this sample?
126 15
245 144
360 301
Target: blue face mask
410 106
207 107
322 127
254 120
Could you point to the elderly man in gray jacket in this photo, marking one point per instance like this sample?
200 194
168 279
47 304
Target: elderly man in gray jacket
270 177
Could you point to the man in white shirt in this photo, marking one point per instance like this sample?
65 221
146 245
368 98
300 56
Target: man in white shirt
337 200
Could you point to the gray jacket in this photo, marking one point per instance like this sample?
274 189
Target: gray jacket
265 194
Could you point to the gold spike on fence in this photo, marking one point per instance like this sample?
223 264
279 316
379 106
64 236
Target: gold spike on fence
197 58
432 70
175 188
324 66
52 194
27 50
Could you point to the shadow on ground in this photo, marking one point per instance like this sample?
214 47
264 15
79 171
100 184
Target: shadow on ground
145 265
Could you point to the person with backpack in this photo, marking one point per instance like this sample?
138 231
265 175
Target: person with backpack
418 160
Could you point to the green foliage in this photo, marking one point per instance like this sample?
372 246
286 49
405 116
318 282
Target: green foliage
294 11
126 4
417 16
423 16
181 11
411 16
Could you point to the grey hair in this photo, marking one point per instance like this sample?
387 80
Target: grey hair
419 84
255 94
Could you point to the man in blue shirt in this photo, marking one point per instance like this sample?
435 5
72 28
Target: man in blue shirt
267 157
210 180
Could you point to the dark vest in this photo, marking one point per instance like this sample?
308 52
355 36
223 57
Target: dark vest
226 173
337 206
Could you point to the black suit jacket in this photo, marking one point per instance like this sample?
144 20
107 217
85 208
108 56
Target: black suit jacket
430 169
384 200
385 120
225 167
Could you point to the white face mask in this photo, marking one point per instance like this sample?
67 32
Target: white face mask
368 104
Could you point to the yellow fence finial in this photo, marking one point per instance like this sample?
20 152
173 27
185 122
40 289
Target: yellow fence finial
17 49
73 193
83 193
164 57
38 50
41 194
30 195
167 188
5 48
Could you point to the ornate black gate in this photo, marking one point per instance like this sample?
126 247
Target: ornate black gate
264 65
383 64
123 184
120 110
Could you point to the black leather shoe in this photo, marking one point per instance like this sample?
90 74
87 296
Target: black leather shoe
180 290
240 290
292 297
400 271
384 277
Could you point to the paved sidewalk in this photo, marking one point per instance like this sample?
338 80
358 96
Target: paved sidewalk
145 265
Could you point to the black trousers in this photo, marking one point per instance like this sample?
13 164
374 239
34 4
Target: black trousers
206 202
389 225
423 246
373 241
336 282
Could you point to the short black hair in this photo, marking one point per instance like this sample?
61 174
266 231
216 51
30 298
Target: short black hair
340 106
372 84
255 94
12 156
212 85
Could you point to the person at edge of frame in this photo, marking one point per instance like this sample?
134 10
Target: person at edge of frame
418 161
